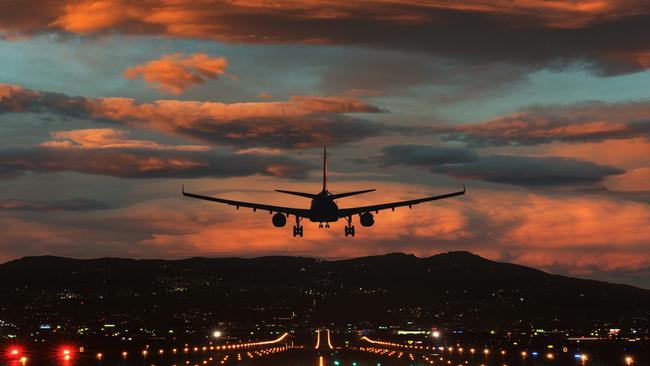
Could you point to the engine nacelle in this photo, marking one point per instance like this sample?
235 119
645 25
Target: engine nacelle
367 219
279 220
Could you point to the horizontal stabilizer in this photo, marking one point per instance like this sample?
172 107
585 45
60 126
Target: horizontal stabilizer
347 194
301 194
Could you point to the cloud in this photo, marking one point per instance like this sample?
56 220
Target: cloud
425 155
530 171
109 138
581 122
61 205
302 121
109 152
608 35
174 73
636 180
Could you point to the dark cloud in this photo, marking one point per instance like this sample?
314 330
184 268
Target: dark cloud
77 204
609 37
530 171
425 155
133 163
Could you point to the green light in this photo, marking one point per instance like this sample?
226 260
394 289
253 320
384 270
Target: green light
337 363
354 364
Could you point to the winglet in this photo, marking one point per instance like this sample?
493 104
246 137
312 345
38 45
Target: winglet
183 189
463 187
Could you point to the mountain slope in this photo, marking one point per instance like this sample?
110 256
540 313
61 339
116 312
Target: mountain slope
450 289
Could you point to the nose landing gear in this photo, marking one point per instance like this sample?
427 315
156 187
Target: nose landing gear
349 228
327 225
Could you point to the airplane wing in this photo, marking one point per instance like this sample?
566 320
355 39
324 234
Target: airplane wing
255 206
345 212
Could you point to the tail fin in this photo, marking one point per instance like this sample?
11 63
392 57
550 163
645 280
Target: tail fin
324 168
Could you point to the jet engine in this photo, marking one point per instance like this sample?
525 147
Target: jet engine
279 220
367 219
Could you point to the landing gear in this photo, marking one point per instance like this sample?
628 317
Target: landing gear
349 228
297 229
327 225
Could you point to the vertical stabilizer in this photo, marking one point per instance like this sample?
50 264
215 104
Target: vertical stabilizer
325 169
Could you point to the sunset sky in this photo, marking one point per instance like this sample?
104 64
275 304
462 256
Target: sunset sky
542 108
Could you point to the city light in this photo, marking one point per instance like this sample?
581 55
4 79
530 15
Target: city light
435 334
217 334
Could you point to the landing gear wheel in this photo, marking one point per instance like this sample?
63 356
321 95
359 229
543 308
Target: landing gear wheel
349 228
297 229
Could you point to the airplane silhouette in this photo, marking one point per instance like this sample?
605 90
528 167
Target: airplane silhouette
323 207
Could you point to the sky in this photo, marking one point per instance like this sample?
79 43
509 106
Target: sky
541 108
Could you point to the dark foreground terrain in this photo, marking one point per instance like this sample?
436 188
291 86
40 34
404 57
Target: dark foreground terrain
451 290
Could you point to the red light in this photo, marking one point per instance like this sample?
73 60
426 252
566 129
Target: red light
66 353
14 352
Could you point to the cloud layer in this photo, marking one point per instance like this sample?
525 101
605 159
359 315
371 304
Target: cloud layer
577 123
108 152
608 35
302 121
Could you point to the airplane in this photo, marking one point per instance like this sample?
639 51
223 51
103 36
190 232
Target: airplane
324 208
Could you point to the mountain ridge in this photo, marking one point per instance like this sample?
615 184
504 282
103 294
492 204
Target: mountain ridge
452 289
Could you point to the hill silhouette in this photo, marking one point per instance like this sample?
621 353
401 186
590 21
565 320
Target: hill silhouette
455 289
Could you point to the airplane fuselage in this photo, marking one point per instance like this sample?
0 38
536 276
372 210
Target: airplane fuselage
323 208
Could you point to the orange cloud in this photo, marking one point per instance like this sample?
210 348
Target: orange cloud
108 138
174 73
635 180
628 153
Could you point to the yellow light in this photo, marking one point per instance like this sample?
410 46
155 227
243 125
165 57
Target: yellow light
550 356
124 354
23 360
66 357
629 360
523 354
486 351
99 356
584 357
503 352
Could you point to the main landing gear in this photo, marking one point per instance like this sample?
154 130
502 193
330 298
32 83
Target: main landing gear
349 228
297 229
